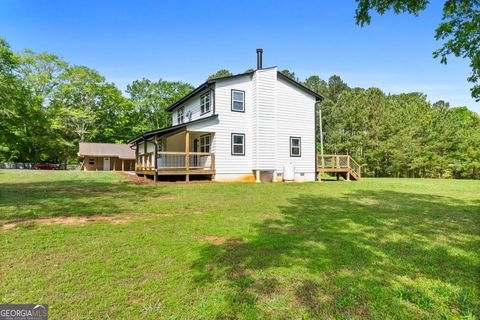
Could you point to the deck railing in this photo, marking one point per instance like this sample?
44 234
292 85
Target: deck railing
335 161
176 161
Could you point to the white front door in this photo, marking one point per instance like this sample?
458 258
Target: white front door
106 164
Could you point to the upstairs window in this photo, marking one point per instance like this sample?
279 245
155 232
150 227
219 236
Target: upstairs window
205 103
295 147
205 143
238 144
238 100
180 115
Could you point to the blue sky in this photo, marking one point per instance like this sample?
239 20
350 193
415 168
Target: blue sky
189 40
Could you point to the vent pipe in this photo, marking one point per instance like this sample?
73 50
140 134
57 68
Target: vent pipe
259 59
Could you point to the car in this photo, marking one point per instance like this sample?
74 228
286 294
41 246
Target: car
47 166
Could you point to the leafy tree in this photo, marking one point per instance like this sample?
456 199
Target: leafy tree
460 28
335 87
290 74
151 99
12 100
220 73
317 85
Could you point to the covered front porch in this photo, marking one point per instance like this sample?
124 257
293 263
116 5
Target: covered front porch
180 153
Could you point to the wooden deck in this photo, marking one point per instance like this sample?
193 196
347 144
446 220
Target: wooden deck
175 163
340 165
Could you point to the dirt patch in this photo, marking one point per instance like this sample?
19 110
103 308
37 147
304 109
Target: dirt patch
367 201
136 179
69 221
163 197
221 240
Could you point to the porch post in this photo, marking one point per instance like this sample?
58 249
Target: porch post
144 153
155 154
123 165
114 163
187 155
136 155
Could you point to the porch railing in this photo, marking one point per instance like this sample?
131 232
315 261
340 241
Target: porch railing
335 161
176 161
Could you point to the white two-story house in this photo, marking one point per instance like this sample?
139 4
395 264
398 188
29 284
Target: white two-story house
254 126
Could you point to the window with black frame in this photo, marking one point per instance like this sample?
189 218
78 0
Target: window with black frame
205 143
238 144
238 100
180 115
295 147
205 102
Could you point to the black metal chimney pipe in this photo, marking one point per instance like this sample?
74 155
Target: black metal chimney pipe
259 59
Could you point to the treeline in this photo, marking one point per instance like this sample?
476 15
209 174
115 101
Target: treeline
48 106
400 135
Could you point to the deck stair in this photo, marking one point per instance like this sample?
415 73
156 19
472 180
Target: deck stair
340 165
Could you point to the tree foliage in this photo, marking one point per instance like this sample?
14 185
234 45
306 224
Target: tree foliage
460 29
220 73
48 106
151 99
400 135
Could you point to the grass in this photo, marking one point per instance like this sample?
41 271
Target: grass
374 249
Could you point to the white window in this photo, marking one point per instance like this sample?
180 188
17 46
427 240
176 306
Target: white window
295 147
205 102
238 144
205 143
238 100
180 115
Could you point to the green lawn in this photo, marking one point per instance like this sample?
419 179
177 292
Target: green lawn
374 249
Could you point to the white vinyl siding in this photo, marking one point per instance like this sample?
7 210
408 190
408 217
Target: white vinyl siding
265 123
296 119
274 111
229 122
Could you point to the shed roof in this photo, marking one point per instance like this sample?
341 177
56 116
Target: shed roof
122 151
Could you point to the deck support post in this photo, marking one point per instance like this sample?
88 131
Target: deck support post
212 166
348 176
144 153
123 165
136 155
114 164
187 155
257 176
